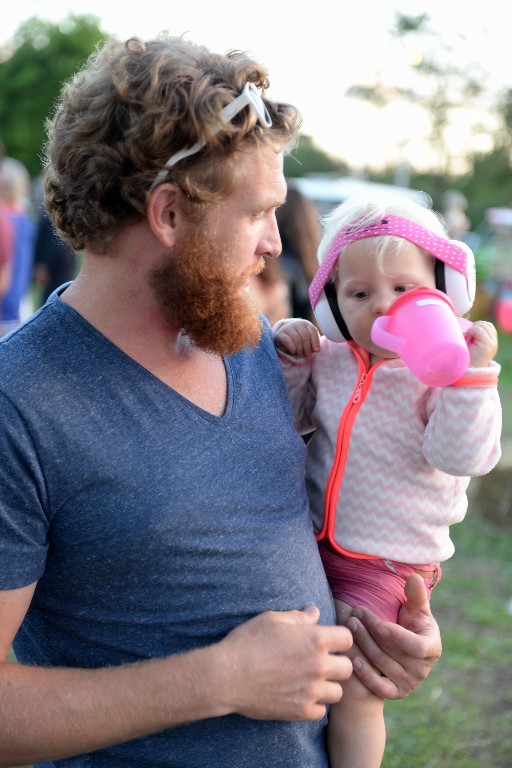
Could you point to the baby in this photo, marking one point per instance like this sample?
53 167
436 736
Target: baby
390 458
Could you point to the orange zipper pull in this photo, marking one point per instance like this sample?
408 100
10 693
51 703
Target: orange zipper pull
357 395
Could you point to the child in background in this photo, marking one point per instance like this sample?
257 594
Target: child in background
390 459
15 191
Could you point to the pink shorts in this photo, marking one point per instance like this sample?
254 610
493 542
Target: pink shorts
376 584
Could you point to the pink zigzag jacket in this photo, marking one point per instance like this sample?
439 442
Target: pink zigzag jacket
413 450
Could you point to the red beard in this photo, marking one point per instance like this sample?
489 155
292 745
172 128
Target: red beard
199 296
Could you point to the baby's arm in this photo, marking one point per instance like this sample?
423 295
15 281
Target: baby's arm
482 339
297 337
296 342
475 396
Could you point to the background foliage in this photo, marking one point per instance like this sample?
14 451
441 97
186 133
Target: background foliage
32 71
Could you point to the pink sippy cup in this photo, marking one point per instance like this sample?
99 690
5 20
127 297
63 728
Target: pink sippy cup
422 327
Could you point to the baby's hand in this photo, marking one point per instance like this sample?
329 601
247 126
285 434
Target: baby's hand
482 340
298 337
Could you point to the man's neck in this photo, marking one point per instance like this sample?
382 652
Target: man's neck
123 309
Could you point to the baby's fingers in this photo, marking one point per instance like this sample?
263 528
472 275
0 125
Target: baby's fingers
307 340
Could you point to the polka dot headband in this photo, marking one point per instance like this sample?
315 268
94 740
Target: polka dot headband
440 247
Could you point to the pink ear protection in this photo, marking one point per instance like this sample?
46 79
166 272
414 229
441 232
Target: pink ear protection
454 269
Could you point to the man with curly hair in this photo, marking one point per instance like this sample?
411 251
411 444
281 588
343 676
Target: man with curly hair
160 582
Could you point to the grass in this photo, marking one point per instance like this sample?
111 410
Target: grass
504 357
461 716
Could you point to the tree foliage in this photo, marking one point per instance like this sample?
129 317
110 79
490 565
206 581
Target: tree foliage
309 158
441 87
33 67
489 185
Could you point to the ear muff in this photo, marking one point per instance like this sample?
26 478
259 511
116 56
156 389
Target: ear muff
328 315
459 288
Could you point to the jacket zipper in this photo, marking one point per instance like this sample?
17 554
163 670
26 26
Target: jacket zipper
340 459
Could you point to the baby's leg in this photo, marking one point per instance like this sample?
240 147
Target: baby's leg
356 734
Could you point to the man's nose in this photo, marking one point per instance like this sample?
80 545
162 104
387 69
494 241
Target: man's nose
271 245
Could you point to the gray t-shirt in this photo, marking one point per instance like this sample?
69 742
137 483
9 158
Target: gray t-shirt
151 526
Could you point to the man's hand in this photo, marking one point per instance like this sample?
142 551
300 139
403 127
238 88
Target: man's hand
398 656
284 666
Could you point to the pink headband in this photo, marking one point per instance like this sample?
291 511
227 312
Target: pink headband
445 250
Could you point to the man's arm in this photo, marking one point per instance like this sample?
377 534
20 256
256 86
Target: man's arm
277 666
398 656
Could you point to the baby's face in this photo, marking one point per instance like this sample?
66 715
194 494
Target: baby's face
367 284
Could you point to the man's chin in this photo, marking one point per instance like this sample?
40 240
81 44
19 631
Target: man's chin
197 294
227 338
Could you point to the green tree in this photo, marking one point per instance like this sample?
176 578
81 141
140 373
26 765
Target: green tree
439 85
503 138
33 67
309 158
490 183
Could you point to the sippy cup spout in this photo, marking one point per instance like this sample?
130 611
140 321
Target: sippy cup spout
384 338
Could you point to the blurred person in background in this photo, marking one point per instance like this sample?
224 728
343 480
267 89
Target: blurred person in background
6 243
299 229
55 262
455 216
272 292
6 240
15 194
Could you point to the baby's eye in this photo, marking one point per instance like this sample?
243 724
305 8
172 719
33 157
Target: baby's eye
401 288
360 294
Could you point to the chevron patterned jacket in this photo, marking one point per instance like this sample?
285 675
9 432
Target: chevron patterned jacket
390 459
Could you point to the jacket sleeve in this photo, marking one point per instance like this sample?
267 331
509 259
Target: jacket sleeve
298 378
463 431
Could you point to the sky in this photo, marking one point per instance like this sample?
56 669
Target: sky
315 53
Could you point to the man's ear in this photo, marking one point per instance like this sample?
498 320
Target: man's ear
164 213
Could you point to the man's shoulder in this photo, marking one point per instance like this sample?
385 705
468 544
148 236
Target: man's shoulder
23 350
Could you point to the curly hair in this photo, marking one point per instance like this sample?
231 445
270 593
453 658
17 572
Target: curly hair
131 107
